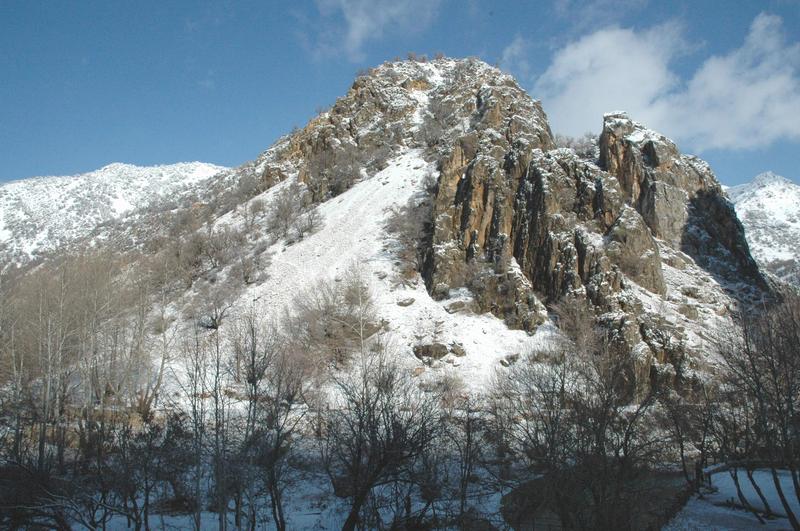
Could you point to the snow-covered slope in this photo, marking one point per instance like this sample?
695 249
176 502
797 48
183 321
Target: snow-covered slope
354 236
41 214
769 208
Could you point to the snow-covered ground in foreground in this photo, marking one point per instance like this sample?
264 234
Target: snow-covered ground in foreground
41 214
712 510
354 235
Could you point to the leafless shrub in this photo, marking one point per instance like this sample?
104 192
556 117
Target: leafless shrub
210 305
251 213
285 209
431 132
246 267
334 171
307 223
576 320
586 146
570 419
333 319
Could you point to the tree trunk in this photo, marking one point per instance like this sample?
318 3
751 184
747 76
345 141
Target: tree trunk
789 513
276 503
756 488
352 518
734 472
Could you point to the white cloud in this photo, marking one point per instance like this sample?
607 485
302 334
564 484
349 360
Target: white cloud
514 58
747 98
610 69
348 25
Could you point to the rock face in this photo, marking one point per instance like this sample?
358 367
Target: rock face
508 203
679 198
643 233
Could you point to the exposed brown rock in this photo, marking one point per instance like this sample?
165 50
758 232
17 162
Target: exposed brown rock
431 351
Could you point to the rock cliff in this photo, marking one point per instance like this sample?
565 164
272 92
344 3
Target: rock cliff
643 233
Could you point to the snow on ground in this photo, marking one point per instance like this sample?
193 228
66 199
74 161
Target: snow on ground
713 511
353 235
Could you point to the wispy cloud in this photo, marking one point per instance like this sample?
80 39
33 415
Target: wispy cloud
346 26
747 98
610 69
514 58
581 15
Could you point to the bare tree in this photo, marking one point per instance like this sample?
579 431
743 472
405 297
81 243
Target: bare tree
567 415
334 318
285 209
763 371
307 223
251 213
378 425
411 225
586 146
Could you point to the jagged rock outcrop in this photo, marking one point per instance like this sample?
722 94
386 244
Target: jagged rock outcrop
644 233
474 204
597 230
679 198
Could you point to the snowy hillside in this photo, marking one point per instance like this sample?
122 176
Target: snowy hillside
769 208
40 214
353 235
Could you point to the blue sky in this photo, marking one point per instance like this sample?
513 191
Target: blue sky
87 83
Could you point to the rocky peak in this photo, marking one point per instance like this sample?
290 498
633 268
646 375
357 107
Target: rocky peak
526 225
441 106
769 178
657 180
522 225
768 208
678 196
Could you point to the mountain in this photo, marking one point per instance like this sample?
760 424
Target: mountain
423 254
510 225
769 208
441 183
41 214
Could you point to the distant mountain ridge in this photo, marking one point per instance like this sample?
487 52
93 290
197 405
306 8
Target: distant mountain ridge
769 209
41 214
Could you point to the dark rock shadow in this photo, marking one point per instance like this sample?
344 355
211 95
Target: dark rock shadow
714 237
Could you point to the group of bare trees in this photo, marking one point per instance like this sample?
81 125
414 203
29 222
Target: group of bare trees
411 226
114 408
290 216
77 356
755 421
585 146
